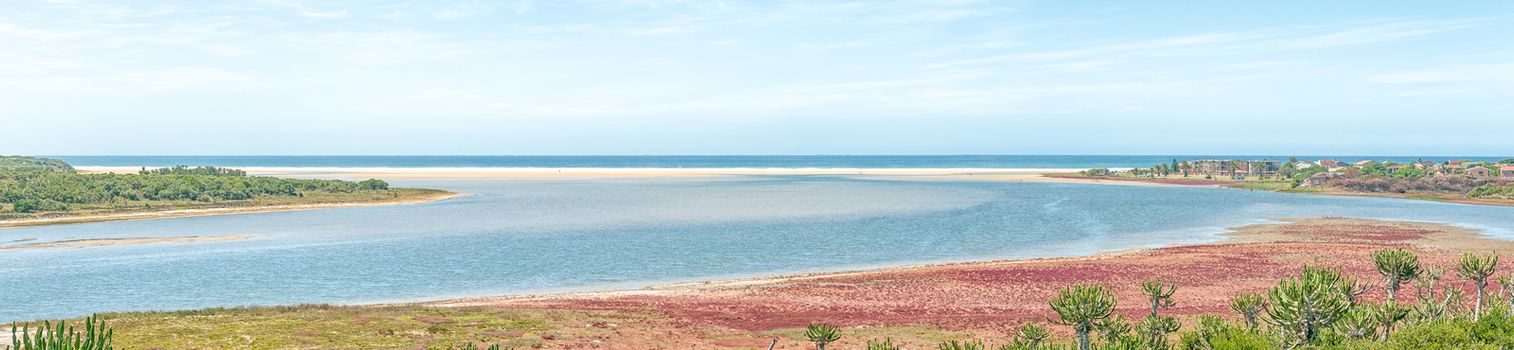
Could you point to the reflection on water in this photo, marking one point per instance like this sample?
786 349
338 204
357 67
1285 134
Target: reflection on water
541 236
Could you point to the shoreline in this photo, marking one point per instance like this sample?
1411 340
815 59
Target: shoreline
214 211
993 174
937 293
916 305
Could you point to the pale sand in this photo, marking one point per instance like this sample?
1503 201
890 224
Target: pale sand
102 242
994 174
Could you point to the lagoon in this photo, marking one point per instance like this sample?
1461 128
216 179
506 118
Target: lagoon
542 236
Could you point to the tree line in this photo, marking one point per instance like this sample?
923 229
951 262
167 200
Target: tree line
48 186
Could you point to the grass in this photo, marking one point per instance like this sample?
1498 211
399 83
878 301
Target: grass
422 327
331 327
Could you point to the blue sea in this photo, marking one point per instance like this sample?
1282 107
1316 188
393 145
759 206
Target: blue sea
815 161
540 236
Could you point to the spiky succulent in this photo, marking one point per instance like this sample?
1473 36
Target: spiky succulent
1359 323
1477 268
885 344
95 336
1302 305
1249 306
1387 315
822 334
1159 294
962 345
1154 330
1082 305
1396 266
1031 335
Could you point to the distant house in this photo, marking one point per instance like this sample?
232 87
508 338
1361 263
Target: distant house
1318 179
1454 162
1303 165
1506 172
1363 162
1479 172
1329 163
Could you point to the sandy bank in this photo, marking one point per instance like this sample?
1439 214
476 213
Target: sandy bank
179 213
102 242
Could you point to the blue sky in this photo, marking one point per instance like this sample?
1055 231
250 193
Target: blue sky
764 77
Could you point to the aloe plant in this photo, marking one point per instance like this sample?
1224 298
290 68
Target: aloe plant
1159 294
471 346
1397 266
1082 305
95 336
1387 315
1304 304
885 344
962 345
1154 330
1478 268
1249 306
1359 323
1112 329
1031 335
822 334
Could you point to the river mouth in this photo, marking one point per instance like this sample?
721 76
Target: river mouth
515 237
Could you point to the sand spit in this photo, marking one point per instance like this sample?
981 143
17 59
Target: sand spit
103 242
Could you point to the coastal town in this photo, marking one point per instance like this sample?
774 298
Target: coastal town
1464 178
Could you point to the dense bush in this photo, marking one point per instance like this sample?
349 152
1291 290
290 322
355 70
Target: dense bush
1498 191
39 189
1440 184
30 163
200 170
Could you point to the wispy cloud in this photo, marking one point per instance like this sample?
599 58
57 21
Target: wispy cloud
1231 43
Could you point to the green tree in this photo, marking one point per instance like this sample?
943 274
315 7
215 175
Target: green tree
1302 305
1160 295
1249 306
1386 316
822 334
1154 330
1477 268
1396 266
1082 305
1031 335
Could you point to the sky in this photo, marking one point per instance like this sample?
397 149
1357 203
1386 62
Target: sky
290 77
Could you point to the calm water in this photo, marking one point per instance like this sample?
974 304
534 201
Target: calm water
933 161
543 236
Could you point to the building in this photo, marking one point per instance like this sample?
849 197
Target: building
1329 163
1454 162
1363 162
1506 172
1479 172
1233 167
1318 179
